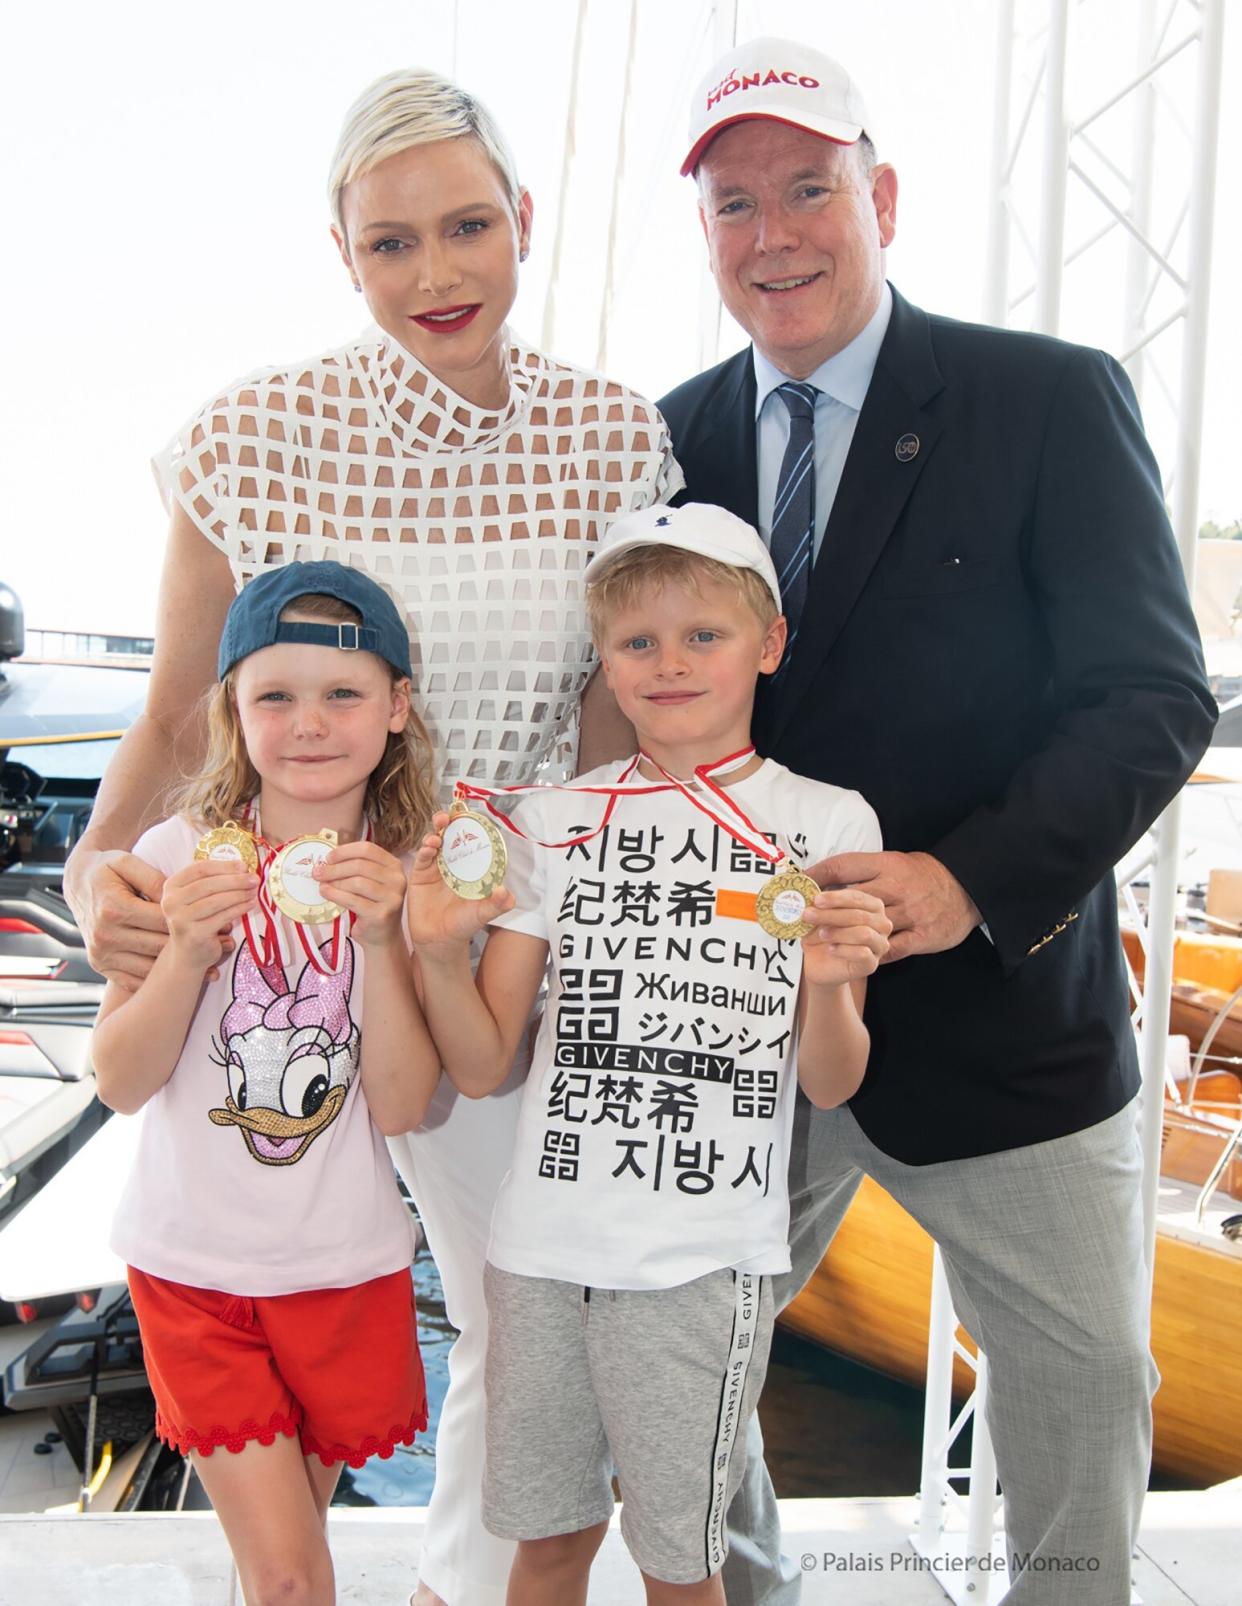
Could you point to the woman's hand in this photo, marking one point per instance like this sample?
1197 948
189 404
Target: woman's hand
201 904
114 896
115 899
850 937
369 882
437 917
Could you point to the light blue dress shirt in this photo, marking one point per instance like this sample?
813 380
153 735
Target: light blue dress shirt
842 383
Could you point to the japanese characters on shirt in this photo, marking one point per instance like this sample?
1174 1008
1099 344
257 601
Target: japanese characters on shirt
638 910
663 1077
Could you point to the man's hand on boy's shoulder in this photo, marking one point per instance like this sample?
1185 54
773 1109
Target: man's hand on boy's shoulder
929 907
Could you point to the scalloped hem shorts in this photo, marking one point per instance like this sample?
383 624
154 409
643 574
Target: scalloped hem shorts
338 1367
656 1384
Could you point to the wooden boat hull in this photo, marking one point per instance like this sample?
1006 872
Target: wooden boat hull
871 1297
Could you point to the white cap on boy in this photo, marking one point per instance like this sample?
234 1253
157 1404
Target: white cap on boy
699 527
781 80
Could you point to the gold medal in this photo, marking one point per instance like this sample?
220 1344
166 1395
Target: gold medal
229 841
293 888
472 858
780 907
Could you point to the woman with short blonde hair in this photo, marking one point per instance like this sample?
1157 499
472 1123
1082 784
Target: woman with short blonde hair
409 108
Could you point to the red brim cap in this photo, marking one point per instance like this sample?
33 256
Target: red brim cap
841 134
781 81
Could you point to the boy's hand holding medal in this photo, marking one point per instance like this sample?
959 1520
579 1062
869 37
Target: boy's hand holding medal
848 937
454 887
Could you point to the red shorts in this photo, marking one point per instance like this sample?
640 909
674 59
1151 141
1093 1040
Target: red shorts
337 1366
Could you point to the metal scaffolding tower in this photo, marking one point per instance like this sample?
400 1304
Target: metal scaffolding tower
1113 203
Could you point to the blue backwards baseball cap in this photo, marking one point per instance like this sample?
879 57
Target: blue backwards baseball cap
254 619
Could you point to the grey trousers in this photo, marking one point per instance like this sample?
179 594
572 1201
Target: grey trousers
1043 1250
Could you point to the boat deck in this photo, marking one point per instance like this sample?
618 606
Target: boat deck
854 1553
1176 1203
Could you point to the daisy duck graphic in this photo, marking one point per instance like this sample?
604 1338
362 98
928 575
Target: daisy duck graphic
290 1056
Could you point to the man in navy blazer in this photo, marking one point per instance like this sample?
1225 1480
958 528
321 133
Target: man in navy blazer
996 649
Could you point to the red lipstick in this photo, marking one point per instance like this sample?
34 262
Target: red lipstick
447 320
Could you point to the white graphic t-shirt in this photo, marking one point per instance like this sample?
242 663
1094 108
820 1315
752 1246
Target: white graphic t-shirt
259 1170
653 1138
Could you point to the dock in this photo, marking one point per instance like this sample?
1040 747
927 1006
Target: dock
852 1552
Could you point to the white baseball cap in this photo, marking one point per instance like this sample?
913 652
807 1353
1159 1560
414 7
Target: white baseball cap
699 527
780 80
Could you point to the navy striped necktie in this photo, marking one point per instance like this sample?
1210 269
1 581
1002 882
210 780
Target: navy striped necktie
793 512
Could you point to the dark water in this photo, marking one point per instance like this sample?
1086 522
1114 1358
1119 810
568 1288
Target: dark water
833 1429
405 1479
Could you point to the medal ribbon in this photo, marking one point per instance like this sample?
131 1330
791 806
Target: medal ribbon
272 953
722 810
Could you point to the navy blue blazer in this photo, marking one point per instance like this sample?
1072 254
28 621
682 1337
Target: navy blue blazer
998 652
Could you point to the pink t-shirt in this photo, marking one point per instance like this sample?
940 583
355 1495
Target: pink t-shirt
259 1170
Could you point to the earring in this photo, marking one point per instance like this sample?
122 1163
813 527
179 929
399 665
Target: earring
522 255
357 288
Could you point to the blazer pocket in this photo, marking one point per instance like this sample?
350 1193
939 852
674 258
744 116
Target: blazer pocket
944 578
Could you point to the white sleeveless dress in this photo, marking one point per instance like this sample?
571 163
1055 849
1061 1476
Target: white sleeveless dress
479 524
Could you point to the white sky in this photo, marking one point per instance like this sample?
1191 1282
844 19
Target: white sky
164 171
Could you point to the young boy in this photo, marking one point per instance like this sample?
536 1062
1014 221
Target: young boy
635 1238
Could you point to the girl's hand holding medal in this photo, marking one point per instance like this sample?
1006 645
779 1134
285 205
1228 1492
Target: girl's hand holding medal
201 903
437 915
849 937
369 882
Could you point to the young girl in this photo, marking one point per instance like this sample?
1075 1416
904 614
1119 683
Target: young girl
268 1246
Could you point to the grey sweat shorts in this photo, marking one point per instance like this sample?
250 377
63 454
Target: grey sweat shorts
657 1384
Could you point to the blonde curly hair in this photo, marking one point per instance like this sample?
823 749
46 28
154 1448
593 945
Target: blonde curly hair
400 795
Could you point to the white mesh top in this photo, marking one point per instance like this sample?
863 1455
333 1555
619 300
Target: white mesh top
478 523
